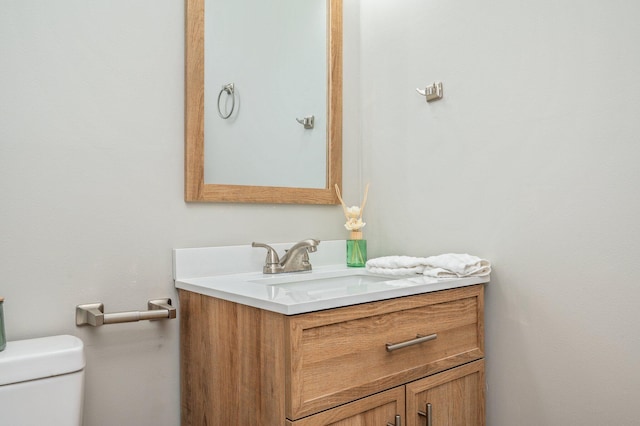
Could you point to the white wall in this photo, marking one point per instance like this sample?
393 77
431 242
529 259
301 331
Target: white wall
530 160
91 188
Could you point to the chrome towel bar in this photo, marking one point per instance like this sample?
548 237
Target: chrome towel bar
93 313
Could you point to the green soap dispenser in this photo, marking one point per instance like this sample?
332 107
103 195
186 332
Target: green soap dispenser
356 250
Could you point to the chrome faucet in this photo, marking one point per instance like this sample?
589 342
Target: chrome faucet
296 259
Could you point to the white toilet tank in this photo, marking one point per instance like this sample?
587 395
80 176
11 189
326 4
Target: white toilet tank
42 382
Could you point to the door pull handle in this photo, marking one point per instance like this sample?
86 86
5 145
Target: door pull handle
427 414
398 421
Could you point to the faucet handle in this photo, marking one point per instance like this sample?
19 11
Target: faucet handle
272 260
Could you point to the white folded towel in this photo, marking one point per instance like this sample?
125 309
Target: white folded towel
462 265
396 265
449 265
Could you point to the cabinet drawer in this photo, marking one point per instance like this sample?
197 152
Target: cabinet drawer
340 355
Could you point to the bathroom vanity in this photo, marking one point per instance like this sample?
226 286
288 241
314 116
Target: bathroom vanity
328 350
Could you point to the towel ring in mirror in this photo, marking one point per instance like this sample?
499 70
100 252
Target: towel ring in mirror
230 91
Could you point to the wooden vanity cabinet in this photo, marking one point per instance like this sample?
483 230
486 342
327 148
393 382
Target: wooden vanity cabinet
247 366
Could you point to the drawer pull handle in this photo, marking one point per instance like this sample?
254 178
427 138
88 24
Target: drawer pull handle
426 414
419 339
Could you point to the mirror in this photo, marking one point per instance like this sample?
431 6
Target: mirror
318 148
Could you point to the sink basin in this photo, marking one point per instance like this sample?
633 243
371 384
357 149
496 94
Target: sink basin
313 286
344 278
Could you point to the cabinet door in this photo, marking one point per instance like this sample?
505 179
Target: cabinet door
379 410
456 398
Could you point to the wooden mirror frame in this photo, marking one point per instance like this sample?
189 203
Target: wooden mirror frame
195 187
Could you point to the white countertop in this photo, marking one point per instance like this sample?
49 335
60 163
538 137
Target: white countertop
226 273
316 294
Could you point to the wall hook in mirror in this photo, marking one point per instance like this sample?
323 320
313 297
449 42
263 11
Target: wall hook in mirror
229 89
432 92
307 122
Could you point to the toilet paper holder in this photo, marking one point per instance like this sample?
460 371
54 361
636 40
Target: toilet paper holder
93 313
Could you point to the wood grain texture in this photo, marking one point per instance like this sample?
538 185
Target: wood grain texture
339 355
232 363
334 104
194 100
195 187
457 397
378 409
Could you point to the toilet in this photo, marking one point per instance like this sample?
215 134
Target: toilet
42 382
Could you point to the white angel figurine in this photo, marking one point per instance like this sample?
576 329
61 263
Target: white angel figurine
354 215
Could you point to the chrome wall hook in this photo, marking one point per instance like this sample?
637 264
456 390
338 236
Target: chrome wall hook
229 89
307 122
432 92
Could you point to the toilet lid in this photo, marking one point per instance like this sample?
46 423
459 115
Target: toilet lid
34 359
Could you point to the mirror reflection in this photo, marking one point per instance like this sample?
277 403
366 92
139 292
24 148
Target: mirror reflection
265 78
